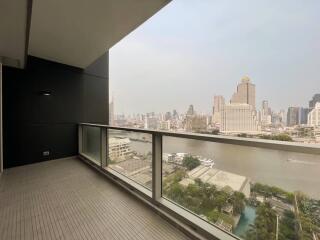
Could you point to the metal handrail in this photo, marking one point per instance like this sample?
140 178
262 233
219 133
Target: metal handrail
250 142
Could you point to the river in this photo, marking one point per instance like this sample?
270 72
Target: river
301 172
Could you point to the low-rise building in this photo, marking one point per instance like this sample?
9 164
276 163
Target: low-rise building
221 179
119 148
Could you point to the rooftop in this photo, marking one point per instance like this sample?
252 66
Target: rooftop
118 141
218 177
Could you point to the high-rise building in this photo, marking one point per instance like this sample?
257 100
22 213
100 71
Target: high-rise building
293 116
265 117
314 115
175 114
196 123
314 100
303 115
265 108
191 111
246 93
218 103
275 119
238 118
278 118
282 114
111 112
167 116
151 122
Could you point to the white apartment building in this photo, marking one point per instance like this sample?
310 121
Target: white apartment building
314 116
165 125
119 148
238 118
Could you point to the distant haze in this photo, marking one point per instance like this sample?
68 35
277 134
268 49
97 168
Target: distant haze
192 50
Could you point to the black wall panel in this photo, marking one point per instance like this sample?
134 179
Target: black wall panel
34 123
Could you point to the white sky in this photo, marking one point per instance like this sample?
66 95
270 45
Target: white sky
192 50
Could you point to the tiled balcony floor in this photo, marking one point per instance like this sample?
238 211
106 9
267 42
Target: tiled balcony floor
66 199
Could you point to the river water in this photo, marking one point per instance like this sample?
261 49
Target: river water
287 170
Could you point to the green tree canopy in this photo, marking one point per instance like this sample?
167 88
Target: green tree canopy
279 137
190 162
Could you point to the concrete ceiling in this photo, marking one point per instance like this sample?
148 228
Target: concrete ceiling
13 21
72 32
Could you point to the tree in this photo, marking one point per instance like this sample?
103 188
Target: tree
176 193
264 227
215 131
244 135
190 162
237 199
288 226
213 215
279 137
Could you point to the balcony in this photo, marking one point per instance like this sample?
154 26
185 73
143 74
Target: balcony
84 198
65 199
219 186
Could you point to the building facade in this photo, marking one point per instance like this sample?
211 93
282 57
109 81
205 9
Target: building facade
314 116
165 125
303 115
218 103
119 148
293 116
196 123
246 93
314 100
151 122
190 111
111 113
265 118
238 118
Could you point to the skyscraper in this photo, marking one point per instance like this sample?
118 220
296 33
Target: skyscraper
175 114
265 113
218 103
293 116
111 112
303 115
167 116
190 111
246 93
314 100
314 115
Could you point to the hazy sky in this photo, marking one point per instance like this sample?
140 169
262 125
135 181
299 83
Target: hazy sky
192 50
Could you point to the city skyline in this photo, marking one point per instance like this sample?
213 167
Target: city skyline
168 66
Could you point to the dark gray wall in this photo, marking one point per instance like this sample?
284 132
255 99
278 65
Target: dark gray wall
34 123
